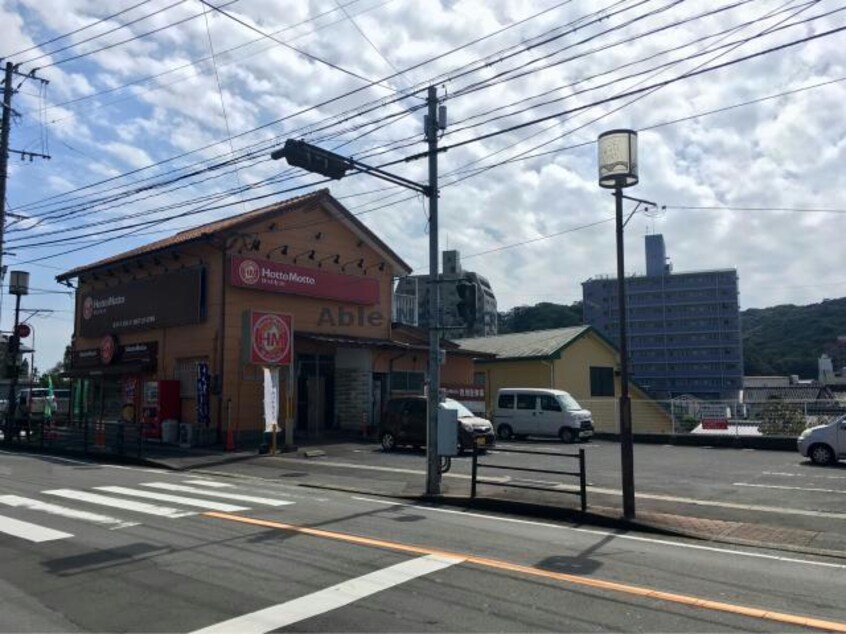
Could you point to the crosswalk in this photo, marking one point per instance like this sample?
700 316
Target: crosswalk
95 505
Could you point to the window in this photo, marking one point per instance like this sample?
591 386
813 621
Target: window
601 381
479 379
416 408
406 381
526 401
549 403
506 401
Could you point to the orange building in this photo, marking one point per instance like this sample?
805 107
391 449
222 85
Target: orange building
184 328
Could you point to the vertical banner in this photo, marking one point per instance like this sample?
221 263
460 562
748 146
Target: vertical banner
203 417
271 397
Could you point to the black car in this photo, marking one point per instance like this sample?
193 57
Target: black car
404 423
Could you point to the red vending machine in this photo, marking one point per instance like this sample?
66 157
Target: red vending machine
161 402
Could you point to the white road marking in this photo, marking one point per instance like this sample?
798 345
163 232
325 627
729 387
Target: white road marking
63 511
815 476
210 505
778 486
600 533
128 505
210 483
332 598
30 532
167 486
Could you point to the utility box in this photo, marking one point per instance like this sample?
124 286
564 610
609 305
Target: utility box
447 432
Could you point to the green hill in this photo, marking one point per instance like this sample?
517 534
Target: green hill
789 339
782 340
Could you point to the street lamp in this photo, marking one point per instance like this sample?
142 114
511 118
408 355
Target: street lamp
617 150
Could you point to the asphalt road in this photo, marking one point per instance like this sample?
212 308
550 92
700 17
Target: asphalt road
89 547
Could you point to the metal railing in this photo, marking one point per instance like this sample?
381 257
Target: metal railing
580 474
83 437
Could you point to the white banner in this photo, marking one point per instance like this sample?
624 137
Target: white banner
271 398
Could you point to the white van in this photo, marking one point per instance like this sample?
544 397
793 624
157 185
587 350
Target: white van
824 444
522 412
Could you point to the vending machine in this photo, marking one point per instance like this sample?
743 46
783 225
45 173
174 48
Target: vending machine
161 402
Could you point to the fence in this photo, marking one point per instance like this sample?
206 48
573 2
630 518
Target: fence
774 418
114 438
581 474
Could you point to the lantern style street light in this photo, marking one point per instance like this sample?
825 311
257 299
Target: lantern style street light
617 150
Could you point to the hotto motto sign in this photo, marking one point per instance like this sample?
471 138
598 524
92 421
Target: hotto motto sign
271 338
278 277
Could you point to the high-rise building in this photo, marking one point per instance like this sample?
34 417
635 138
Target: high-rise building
411 299
683 328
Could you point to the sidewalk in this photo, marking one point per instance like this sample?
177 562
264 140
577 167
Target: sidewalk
309 467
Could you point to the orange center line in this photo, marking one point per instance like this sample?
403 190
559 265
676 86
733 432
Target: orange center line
498 564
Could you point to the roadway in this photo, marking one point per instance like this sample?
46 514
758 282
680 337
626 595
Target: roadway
89 547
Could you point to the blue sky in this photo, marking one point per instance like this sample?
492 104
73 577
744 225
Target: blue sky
758 174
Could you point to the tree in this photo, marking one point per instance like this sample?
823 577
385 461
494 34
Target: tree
779 418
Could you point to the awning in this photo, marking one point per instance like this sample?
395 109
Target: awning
107 370
358 342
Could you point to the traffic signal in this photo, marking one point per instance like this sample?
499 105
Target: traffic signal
13 345
312 159
466 306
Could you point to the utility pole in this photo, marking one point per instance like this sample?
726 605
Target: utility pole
4 151
433 472
5 129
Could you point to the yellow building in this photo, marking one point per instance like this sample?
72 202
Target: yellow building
578 360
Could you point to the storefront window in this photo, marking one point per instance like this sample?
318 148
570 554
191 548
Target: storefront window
407 381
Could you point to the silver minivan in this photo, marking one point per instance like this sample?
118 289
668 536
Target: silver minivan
522 412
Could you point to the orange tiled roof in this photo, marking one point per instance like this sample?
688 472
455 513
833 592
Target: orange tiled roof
218 226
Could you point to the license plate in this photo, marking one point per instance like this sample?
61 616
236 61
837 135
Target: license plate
481 441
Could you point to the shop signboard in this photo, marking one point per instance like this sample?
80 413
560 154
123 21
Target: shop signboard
278 277
110 353
170 299
268 338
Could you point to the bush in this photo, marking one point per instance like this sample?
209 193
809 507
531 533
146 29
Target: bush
782 419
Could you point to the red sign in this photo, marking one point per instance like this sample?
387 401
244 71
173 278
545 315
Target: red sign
271 338
23 331
276 277
715 423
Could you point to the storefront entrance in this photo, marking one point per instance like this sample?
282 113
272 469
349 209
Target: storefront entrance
315 394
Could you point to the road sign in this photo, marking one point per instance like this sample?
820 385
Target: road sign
23 331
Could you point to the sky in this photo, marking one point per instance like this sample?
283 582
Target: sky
161 114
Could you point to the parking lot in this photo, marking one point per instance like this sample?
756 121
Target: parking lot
770 487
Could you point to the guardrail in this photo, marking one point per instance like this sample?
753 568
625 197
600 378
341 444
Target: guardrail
581 474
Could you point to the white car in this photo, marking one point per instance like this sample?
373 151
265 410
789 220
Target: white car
824 444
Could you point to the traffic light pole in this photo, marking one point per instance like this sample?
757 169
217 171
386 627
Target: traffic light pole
13 346
433 472
306 156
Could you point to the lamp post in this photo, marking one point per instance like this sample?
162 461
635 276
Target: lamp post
617 150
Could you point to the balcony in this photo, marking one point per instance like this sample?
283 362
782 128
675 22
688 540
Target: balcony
404 309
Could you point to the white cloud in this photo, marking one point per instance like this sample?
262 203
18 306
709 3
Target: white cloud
786 152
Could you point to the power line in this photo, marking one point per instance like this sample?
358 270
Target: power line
127 40
79 30
306 54
305 110
104 33
630 93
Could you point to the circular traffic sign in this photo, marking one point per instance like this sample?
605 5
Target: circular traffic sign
23 331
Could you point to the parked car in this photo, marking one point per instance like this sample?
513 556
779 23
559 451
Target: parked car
32 402
824 444
522 412
404 423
